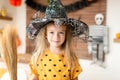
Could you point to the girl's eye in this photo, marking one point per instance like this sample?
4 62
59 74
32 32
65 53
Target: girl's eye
61 32
51 32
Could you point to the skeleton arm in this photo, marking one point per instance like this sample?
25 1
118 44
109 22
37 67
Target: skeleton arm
90 39
90 44
106 40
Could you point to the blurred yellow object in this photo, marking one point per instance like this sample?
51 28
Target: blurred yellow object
3 12
1 30
2 71
118 35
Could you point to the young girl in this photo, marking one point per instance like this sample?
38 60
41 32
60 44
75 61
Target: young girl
54 57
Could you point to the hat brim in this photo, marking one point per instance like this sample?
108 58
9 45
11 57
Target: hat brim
78 27
35 25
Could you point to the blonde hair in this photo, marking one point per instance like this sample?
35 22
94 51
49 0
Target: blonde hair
42 44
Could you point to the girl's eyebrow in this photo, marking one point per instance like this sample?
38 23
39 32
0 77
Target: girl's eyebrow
59 30
63 30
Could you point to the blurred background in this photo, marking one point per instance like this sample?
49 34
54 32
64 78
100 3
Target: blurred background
21 15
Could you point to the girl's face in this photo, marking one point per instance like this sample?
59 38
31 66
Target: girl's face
55 35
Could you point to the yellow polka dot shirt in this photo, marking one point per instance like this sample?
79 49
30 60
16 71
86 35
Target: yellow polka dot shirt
53 67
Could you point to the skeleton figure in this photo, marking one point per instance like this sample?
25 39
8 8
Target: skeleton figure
98 40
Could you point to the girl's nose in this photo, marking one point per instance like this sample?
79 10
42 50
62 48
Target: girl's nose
56 36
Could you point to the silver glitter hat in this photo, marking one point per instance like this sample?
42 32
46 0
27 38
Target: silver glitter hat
55 12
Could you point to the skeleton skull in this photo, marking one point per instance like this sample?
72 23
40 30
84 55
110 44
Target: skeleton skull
99 18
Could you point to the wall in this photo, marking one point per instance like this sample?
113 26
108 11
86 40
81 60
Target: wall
21 24
19 20
111 72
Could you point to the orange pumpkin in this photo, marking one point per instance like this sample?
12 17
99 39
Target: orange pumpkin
15 2
18 41
118 35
